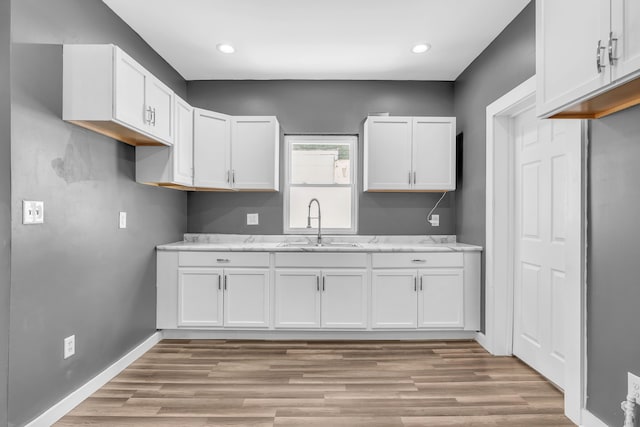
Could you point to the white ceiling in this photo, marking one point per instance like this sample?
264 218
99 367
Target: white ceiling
318 39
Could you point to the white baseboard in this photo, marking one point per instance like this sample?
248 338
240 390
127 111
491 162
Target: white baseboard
481 338
60 409
590 420
318 335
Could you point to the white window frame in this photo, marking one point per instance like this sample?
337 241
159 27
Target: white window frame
353 158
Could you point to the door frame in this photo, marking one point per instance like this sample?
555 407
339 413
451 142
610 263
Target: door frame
500 244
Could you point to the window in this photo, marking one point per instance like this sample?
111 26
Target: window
321 167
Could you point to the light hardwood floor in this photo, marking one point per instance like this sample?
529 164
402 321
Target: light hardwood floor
296 383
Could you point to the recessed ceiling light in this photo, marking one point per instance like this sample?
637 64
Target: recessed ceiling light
225 48
420 48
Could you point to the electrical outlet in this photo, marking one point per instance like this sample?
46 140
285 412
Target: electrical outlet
435 221
252 219
32 212
633 387
122 222
69 346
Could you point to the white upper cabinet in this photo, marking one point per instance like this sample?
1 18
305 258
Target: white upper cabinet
107 91
587 56
170 166
255 142
387 151
236 153
410 154
212 150
434 153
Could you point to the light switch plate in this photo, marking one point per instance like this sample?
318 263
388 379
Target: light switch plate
122 220
252 219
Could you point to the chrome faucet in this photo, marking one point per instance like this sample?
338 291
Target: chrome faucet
309 218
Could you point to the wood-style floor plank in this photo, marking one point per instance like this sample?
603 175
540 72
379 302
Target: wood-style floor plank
208 383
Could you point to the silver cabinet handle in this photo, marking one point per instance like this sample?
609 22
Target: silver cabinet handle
422 261
318 283
148 111
219 285
420 283
153 116
414 177
233 176
415 284
223 260
228 175
225 282
409 177
612 57
599 65
323 283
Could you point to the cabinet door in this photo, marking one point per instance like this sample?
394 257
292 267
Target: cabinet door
297 295
246 301
183 144
344 299
387 153
441 299
255 145
434 153
394 302
130 81
159 98
625 19
211 149
568 34
199 297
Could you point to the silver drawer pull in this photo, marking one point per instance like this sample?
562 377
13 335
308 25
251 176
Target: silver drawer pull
419 260
223 260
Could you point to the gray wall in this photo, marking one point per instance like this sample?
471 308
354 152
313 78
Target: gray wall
304 107
505 63
78 273
613 319
5 201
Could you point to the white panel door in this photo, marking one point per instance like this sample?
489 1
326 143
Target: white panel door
434 153
387 150
183 144
211 149
344 299
160 99
625 20
547 159
199 297
246 301
130 88
568 33
255 145
441 298
394 300
297 295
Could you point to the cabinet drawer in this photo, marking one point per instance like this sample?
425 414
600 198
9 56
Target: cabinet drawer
321 260
223 259
417 260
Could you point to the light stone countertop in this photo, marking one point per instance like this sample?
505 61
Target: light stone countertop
306 243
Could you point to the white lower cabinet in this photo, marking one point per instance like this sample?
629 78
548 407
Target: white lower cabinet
426 298
200 297
339 292
394 302
210 297
310 298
